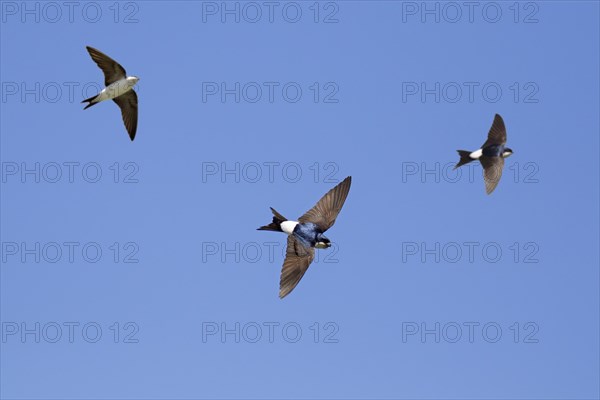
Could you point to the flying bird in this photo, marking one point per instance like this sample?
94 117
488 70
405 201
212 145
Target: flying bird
306 234
119 88
491 154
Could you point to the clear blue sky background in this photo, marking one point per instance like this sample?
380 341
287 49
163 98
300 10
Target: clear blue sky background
547 203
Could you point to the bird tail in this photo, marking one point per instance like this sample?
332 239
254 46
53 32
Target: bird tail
90 102
465 158
276 224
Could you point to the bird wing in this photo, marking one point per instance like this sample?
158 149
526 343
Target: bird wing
113 71
497 133
297 261
324 213
128 103
492 171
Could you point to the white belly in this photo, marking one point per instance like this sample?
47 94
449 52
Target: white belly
288 226
113 90
476 154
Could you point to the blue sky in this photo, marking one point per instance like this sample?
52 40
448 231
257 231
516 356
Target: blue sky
134 270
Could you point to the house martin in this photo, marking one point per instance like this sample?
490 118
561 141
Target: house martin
119 88
491 155
306 234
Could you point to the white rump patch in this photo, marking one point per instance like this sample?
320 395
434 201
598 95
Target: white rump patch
476 154
288 226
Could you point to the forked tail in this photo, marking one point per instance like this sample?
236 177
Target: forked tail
276 224
90 100
465 158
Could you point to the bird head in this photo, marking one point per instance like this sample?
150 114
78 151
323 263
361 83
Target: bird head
507 152
322 242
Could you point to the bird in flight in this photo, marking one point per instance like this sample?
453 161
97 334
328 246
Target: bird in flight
491 154
306 234
119 88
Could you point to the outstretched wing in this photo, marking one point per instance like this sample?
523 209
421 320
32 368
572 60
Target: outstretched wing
497 133
128 103
297 261
113 71
492 171
324 213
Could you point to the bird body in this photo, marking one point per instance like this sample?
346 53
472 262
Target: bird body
113 90
308 233
493 150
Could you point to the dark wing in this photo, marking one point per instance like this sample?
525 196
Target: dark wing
497 134
492 172
128 103
113 71
297 261
324 213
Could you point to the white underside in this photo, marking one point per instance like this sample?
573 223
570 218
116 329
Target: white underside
476 154
115 89
288 226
